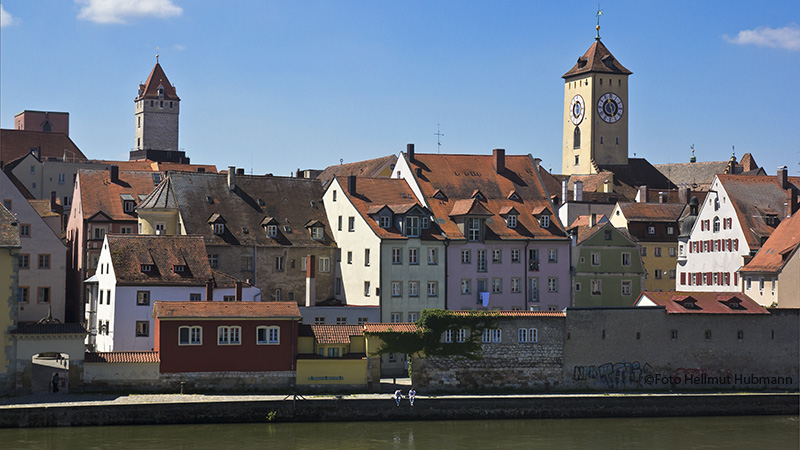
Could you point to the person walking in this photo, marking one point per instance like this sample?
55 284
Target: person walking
398 395
412 394
56 380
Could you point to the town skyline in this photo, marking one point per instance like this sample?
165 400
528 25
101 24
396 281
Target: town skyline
355 81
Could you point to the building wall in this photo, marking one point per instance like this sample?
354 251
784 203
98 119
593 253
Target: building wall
8 317
665 265
610 272
403 307
34 121
211 357
326 372
789 283
340 314
43 177
158 129
130 375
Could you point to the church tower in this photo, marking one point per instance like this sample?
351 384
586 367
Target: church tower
157 108
595 112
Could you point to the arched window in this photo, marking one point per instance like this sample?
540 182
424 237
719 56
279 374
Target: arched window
716 224
576 138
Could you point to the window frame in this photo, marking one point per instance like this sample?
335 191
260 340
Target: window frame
229 331
268 335
191 338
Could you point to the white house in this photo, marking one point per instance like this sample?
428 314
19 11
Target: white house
134 271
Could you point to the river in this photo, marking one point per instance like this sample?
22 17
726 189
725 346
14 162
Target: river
750 432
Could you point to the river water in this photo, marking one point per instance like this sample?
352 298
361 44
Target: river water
753 432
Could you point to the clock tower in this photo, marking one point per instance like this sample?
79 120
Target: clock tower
595 112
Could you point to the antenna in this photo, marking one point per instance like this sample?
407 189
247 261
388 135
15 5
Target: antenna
438 135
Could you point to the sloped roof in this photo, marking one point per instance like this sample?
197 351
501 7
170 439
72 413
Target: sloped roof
368 168
696 174
639 172
335 334
161 197
121 357
99 194
223 280
704 302
15 144
597 59
402 327
780 246
49 328
148 165
129 252
9 229
226 310
157 78
459 176
373 194
652 212
293 202
519 313
42 208
753 197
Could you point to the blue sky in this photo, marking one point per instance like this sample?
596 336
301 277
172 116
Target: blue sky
273 86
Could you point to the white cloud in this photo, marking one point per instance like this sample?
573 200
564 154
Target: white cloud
787 37
6 19
120 11
179 47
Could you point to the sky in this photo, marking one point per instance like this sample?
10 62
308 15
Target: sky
273 86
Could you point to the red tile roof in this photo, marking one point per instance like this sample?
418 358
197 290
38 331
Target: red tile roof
597 59
9 229
15 144
150 88
147 165
780 246
226 310
652 212
99 194
703 302
335 334
402 327
459 176
368 168
163 253
121 357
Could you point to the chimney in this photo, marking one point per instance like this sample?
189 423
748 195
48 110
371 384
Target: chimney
238 290
662 197
210 290
52 200
231 177
240 171
499 159
410 152
114 173
683 194
783 177
564 190
577 192
351 184
297 174
593 220
311 288
642 197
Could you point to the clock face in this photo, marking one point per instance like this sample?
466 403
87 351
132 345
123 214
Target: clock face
609 107
576 109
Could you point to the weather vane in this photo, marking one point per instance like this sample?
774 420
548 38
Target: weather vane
599 13
438 135
156 54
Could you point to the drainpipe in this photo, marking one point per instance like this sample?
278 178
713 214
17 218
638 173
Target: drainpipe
446 272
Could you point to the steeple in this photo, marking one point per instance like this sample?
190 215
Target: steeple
157 110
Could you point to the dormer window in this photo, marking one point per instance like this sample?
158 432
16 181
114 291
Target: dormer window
385 221
317 233
544 221
426 222
219 228
160 91
156 178
412 226
474 229
146 268
128 203
513 196
272 231
651 229
478 195
771 219
179 268
439 195
511 221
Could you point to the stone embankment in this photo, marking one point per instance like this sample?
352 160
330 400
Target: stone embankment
94 410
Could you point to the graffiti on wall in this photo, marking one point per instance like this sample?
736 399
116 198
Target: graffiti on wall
614 375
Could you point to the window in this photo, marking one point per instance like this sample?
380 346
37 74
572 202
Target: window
280 263
497 255
608 235
528 335
432 289
674 335
43 295
544 221
474 229
385 221
413 288
334 197
366 289
396 317
62 178
268 335
44 261
533 292
672 252
247 263
219 228
672 274
658 274
126 230
142 328
213 261
324 264
597 287
670 230
651 229
626 287
24 261
143 298
466 256
461 335
340 223
362 320
24 230
349 257
760 283
576 141
552 255
708 335
740 335
466 286
229 335
425 222
552 284
190 335
626 259
195 297
413 255
319 320
515 285
511 221
397 255
514 255
412 226
351 223
482 260
128 206
23 294
643 251
497 285
397 289
448 336
232 298
595 259
492 335
716 224
657 252
432 256
272 230
317 233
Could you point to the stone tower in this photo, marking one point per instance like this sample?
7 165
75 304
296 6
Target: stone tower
157 109
595 112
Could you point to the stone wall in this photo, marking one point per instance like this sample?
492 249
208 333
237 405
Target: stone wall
203 382
504 366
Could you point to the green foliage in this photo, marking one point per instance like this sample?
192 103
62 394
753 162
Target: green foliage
431 326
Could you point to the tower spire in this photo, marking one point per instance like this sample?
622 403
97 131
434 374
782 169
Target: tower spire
599 13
